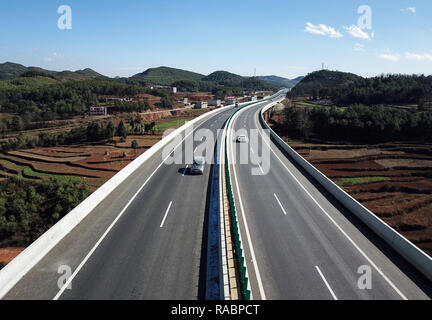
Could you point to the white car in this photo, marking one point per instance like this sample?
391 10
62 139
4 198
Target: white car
242 139
198 166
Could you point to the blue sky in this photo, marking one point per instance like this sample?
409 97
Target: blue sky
282 37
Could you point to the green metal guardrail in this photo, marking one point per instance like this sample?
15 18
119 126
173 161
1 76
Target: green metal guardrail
239 254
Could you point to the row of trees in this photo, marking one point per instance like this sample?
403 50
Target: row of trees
393 89
358 123
130 106
28 209
347 89
93 132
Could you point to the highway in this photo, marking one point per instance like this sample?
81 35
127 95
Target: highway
147 239
144 241
300 244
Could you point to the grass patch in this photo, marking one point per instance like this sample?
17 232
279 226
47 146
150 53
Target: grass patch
359 180
166 125
28 171
307 104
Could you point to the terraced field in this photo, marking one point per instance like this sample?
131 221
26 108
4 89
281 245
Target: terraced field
95 164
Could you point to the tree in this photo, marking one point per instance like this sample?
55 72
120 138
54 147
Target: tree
167 102
94 131
122 130
110 131
134 145
3 127
17 123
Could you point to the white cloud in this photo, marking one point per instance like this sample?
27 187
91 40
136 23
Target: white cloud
418 56
356 32
389 57
54 57
359 47
323 30
410 9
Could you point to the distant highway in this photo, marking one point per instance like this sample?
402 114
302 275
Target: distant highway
300 244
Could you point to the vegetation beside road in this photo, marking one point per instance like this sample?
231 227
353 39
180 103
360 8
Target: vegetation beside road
27 209
357 123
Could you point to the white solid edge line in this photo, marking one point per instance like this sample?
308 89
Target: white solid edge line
258 163
280 204
340 229
326 283
185 170
254 260
225 280
166 214
78 269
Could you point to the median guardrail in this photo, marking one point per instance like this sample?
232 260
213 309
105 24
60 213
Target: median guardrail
238 246
416 257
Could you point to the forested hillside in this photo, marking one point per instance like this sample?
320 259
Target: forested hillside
11 70
345 89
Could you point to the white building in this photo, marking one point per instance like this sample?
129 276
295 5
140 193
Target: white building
98 111
215 103
201 105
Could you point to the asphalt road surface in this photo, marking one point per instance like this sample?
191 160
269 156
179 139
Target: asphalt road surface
300 244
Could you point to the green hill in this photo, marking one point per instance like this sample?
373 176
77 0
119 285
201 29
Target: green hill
11 70
67 75
85 74
282 82
324 79
224 78
191 81
166 76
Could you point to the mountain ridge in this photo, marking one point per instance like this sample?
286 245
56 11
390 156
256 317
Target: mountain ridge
11 70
